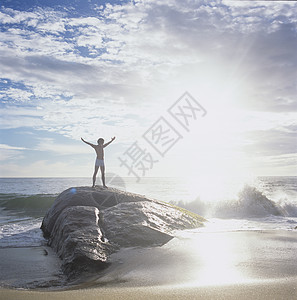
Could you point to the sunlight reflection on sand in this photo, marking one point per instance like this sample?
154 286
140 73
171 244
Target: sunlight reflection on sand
206 259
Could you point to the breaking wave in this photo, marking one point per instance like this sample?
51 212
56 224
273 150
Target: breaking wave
250 203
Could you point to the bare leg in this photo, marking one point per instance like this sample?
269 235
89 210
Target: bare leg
95 174
102 168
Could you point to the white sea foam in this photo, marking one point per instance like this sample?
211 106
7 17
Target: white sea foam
249 203
22 233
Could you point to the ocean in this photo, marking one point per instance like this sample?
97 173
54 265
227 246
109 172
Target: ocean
264 203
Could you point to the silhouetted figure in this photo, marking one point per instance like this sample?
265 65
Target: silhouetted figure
100 158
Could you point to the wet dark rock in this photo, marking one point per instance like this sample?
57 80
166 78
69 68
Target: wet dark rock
85 225
144 223
78 240
85 196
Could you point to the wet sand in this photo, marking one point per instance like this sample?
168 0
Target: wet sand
30 267
273 290
224 265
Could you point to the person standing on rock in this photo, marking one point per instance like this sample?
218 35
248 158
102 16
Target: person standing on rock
100 158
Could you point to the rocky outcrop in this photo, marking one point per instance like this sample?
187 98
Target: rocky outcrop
85 196
78 239
144 223
85 225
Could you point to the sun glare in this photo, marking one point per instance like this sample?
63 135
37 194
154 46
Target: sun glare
212 188
217 258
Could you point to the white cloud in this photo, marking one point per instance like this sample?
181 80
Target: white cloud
7 147
17 116
281 165
43 168
53 27
8 152
121 70
47 144
163 38
11 16
16 94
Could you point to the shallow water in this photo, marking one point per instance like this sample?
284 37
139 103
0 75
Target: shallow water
30 268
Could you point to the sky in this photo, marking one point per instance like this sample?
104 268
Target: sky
189 88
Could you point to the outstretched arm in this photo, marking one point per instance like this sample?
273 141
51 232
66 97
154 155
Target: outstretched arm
112 139
87 142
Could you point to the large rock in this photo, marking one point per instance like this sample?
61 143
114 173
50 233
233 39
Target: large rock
85 225
85 196
78 240
144 223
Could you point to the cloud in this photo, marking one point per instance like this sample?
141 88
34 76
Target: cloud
17 116
16 94
10 16
271 142
47 144
117 71
42 168
280 165
8 152
7 147
150 40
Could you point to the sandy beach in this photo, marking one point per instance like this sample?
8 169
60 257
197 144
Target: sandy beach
30 267
272 290
218 265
